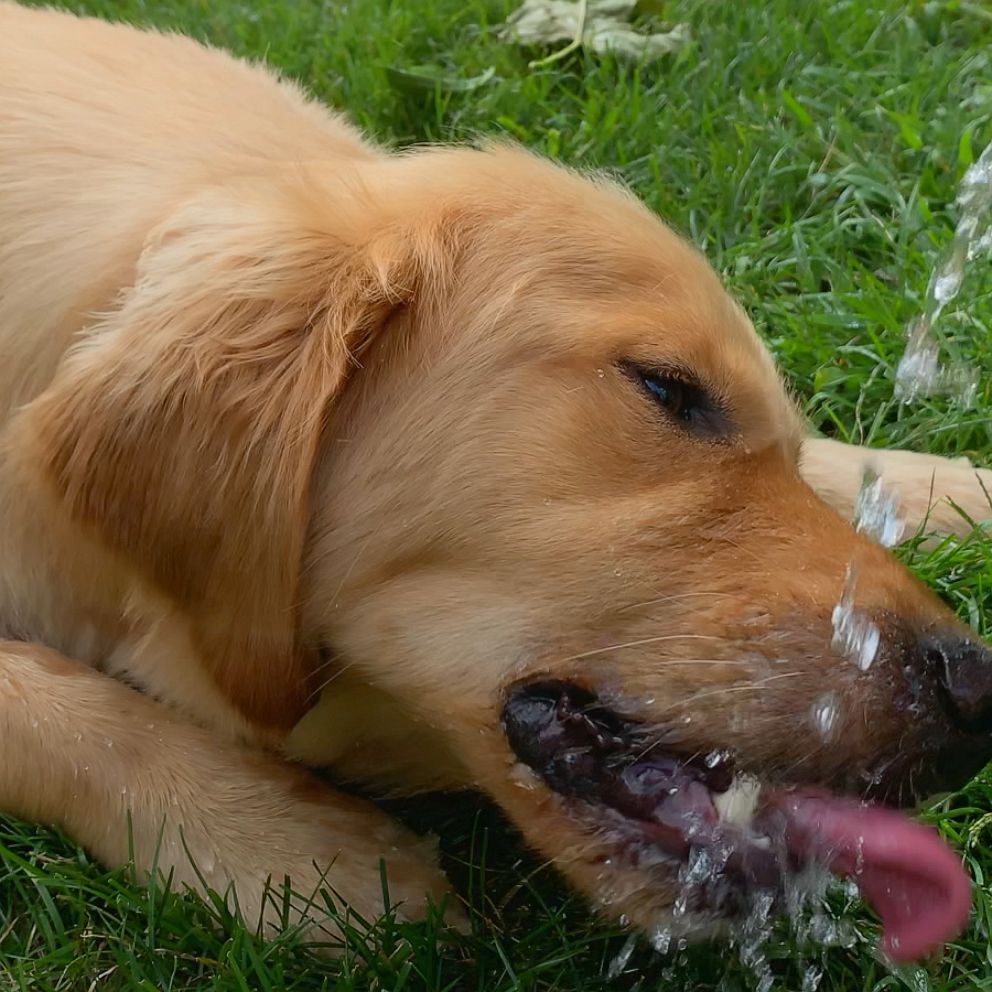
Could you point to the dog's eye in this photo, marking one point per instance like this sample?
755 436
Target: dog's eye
685 402
673 395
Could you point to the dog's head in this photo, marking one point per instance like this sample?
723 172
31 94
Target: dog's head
497 442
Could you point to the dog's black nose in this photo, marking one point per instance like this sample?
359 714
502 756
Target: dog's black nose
963 671
944 710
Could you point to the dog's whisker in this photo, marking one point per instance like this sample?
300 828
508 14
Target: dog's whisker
326 663
674 598
790 769
641 642
729 689
351 567
336 674
733 663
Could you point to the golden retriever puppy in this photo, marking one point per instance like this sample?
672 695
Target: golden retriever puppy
438 470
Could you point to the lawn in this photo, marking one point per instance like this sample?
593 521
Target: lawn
812 150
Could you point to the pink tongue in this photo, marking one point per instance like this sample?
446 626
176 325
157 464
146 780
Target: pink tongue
905 872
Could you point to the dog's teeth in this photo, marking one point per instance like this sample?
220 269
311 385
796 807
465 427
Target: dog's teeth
738 803
523 776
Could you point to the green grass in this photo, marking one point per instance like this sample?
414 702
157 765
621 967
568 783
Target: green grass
812 150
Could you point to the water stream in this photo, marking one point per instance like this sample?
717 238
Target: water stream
921 372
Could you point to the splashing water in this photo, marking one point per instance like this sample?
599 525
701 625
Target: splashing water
824 714
618 964
816 918
876 511
920 372
809 910
856 636
812 922
661 939
753 937
913 977
876 515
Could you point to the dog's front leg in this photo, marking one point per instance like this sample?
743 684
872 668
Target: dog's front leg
123 775
928 487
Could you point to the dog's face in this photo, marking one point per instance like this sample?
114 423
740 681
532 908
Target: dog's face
560 528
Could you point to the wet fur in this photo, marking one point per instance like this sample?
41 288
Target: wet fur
322 447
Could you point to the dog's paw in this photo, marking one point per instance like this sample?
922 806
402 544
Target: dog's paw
942 495
385 869
306 857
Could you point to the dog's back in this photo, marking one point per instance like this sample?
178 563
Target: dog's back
139 120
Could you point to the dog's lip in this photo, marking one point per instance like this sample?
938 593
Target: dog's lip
652 804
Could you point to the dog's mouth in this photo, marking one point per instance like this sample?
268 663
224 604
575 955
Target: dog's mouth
649 804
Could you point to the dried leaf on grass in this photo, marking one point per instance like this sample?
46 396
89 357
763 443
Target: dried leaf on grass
598 25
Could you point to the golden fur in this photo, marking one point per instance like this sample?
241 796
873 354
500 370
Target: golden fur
267 389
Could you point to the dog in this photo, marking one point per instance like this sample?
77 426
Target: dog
441 469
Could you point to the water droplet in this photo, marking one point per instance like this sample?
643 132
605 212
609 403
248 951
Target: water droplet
715 758
700 868
661 939
618 964
855 635
982 246
912 976
824 714
947 284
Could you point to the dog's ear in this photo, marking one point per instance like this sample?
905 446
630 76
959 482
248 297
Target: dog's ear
184 428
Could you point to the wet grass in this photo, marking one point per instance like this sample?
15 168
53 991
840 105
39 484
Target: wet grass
812 151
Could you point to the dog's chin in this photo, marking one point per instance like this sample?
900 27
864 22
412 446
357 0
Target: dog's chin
689 840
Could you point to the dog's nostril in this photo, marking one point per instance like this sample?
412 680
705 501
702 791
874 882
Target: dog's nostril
963 669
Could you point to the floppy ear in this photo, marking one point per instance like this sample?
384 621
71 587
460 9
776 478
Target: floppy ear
185 427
